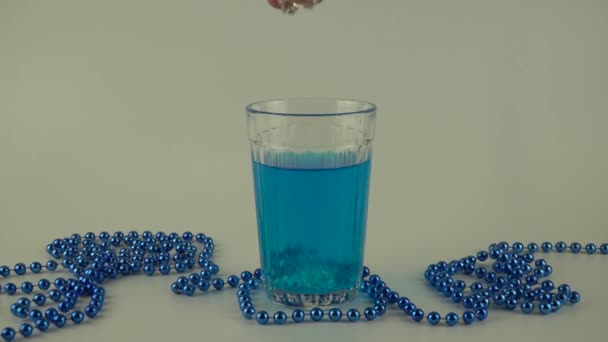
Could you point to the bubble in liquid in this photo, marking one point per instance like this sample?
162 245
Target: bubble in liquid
291 6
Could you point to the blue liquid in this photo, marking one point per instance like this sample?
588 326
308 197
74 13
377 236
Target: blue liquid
311 226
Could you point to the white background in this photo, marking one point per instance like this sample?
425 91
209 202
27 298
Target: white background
120 115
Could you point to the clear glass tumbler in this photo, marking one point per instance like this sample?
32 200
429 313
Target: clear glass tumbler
311 170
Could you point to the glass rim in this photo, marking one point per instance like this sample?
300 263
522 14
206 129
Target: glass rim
367 107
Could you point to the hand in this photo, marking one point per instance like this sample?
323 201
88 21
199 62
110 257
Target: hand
286 4
275 3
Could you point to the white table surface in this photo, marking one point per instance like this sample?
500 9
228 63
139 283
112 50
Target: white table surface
121 115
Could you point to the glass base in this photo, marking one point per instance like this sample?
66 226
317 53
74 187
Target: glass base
311 300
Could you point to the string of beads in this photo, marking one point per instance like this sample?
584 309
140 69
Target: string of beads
515 278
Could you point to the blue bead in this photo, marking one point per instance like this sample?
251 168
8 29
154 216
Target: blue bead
60 321
42 324
511 303
5 271
187 236
188 290
298 315
575 297
262 317
546 246
51 265
369 314
335 314
467 302
528 258
451 319
555 305
180 267
468 317
316 314
545 297
214 269
374 280
26 329
531 280
545 308
164 269
393 297
532 248
481 314
194 278
27 287
539 272
20 269
560 246
280 317
206 275
518 247
90 311
35 315
97 297
246 275
527 307
381 286
482 255
249 312
457 297
365 272
200 237
36 267
459 285
481 272
380 309
10 288
257 274
218 283
575 247
245 304
433 318
19 311
55 295
182 281
381 301
77 317
64 306
254 283
175 288
547 285
590 248
417 315
24 302
402 302
408 309
149 270
8 334
51 313
469 269
476 287
233 281
490 277
562 297
353 315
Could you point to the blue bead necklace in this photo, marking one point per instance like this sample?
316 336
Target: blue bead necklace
514 278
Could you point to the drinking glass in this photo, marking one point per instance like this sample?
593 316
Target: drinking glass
311 169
